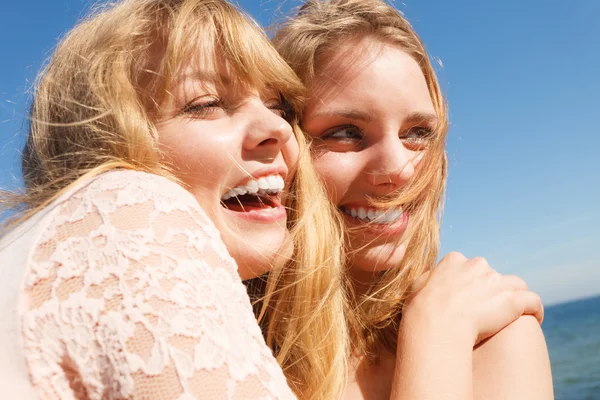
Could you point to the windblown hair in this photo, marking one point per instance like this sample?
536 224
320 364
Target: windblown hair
310 42
95 106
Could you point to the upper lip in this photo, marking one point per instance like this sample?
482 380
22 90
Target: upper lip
281 170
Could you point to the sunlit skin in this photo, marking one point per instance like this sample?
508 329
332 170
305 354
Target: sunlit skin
371 117
370 133
217 138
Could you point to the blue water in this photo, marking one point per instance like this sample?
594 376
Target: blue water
572 332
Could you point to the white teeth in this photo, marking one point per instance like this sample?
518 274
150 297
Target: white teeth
374 215
272 184
362 213
263 183
252 187
272 181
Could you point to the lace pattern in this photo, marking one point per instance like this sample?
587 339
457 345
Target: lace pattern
130 293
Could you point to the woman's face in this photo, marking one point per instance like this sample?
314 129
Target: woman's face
371 122
236 152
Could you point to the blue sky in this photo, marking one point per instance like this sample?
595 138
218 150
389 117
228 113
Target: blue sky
521 78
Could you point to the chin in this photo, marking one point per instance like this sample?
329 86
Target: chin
258 256
378 258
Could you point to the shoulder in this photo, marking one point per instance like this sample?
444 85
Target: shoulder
123 211
514 363
131 281
522 338
138 185
123 191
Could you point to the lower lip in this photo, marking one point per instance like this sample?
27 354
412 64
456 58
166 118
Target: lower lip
270 215
396 228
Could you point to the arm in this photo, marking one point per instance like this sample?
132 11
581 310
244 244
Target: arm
132 294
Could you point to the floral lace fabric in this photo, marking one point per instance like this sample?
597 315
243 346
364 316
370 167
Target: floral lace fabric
131 294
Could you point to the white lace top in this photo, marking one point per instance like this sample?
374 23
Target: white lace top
123 289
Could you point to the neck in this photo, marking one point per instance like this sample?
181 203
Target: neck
370 379
361 280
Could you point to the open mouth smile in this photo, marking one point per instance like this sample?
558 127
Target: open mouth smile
258 198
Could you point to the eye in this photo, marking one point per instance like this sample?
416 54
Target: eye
282 108
339 139
202 107
417 138
343 134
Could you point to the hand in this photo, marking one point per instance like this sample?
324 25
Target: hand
467 297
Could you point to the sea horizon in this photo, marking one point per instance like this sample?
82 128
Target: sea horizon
572 332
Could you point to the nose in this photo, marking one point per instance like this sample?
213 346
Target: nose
392 165
266 132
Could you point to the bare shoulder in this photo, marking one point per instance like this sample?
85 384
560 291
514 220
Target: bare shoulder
513 364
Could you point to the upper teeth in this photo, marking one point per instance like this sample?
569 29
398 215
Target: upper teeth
271 184
374 215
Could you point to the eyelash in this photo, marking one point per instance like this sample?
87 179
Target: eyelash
416 134
331 132
423 134
201 110
284 109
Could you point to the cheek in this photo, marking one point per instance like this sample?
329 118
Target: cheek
417 158
291 152
337 171
183 155
196 154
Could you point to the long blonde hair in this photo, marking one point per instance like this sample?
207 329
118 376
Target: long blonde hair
306 41
94 108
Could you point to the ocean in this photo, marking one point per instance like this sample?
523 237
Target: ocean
572 333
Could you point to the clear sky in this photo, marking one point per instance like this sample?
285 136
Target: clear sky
521 78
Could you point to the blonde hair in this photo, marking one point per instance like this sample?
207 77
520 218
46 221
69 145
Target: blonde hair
307 41
94 108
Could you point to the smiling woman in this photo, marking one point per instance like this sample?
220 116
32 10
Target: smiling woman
420 329
163 165
376 127
237 176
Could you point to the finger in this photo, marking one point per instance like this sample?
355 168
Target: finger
529 303
481 267
513 282
453 258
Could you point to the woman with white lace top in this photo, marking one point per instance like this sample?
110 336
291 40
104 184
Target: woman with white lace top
163 165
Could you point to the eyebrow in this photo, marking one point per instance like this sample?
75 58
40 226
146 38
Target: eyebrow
418 118
357 115
345 113
203 76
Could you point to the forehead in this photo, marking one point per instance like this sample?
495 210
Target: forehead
373 75
225 83
216 73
